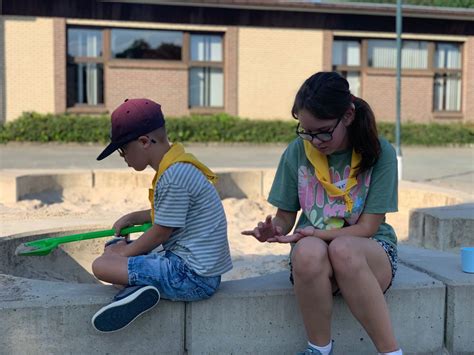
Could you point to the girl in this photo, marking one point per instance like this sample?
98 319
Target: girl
344 178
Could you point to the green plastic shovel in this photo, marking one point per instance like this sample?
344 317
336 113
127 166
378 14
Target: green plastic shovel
45 246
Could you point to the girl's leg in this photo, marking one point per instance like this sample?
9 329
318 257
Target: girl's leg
363 271
312 274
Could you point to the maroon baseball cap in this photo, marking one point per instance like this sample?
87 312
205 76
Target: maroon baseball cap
132 119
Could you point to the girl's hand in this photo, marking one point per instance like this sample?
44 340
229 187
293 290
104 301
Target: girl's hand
293 238
308 231
264 230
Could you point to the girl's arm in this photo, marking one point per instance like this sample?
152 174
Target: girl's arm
279 225
367 225
285 220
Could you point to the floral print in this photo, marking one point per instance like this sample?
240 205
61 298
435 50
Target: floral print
327 212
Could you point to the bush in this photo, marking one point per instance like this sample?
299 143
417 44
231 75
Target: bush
34 127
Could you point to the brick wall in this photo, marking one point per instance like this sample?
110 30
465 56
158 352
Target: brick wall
169 87
468 78
272 65
379 90
59 53
29 65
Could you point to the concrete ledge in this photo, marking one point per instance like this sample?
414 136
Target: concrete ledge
260 316
41 317
446 268
256 315
444 227
16 185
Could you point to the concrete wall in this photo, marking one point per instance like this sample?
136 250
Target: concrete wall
272 65
29 65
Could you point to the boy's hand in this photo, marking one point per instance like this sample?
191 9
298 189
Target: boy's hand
265 231
121 223
119 248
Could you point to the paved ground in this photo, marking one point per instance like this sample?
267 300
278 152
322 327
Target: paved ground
447 167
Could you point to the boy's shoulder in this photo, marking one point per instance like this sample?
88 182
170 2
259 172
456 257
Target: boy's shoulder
181 173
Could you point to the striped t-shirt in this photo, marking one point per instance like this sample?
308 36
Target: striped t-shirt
187 201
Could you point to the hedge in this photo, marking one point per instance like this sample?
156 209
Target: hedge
34 127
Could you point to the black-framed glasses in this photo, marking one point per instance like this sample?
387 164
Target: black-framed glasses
322 136
122 151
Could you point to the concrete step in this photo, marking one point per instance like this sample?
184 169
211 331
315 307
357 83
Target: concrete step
257 316
446 267
442 228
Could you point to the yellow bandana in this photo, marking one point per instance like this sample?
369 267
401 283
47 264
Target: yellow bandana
174 155
320 163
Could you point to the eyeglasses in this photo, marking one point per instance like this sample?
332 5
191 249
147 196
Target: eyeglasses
322 136
122 149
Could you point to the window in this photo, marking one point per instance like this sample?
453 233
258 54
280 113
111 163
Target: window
206 77
447 79
91 50
382 53
346 60
146 44
85 69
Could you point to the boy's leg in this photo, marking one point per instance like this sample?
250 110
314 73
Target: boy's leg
312 274
111 268
363 271
129 303
133 302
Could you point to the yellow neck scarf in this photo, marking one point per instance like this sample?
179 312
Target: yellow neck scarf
320 163
174 155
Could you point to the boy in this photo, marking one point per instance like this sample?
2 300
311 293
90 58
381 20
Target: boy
187 219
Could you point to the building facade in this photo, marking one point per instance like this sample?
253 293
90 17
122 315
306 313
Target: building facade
245 58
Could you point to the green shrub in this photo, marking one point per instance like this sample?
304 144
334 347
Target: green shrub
34 127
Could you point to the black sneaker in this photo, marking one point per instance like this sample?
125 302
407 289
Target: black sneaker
132 302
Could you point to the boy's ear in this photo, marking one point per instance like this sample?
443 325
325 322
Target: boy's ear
144 140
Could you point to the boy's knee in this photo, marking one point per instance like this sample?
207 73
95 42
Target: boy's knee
98 267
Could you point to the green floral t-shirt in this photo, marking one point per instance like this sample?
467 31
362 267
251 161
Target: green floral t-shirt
296 187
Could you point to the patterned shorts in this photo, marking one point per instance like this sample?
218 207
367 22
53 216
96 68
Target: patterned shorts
392 255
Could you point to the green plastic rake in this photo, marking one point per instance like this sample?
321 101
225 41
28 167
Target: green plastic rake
45 246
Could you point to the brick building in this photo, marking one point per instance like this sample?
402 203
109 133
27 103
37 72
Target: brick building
243 57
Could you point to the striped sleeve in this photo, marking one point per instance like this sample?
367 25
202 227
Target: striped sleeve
171 205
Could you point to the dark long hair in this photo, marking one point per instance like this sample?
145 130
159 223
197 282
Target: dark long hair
326 96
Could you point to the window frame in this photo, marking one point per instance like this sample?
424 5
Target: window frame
184 64
445 71
431 71
206 64
352 68
86 108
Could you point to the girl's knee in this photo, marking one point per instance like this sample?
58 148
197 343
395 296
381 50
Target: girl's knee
344 257
310 258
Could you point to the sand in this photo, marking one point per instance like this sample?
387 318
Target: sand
76 207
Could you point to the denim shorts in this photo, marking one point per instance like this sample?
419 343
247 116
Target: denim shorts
171 276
